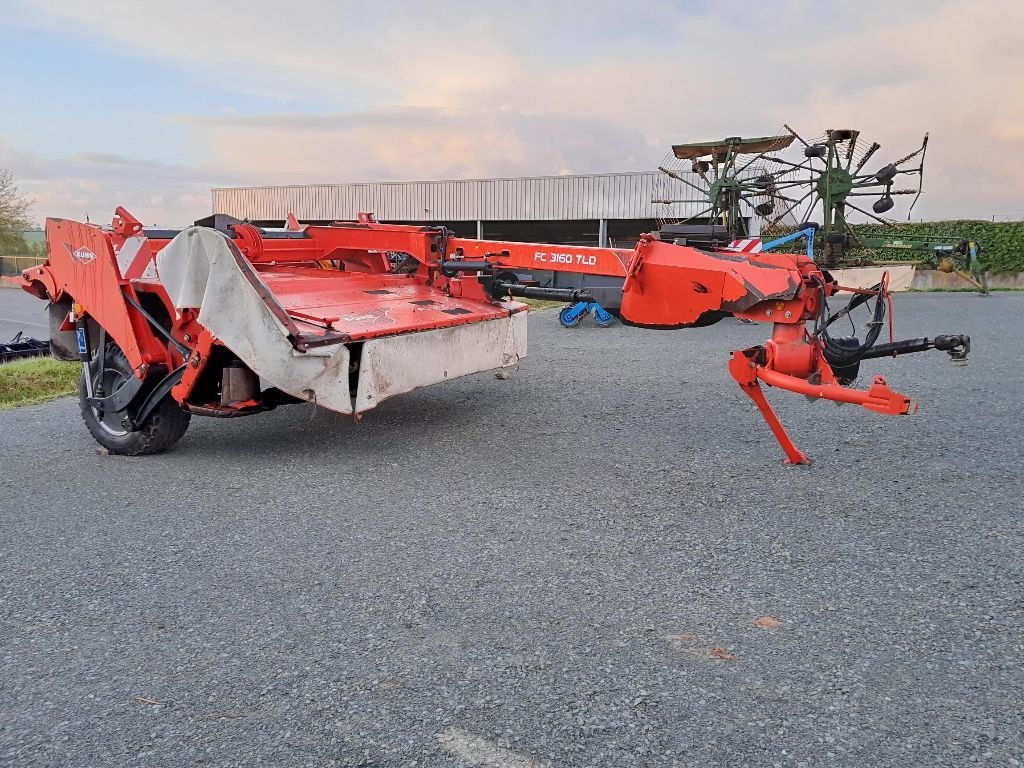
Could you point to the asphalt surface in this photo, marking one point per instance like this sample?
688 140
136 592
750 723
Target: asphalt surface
21 312
582 565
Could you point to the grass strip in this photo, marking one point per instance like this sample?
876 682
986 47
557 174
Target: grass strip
25 382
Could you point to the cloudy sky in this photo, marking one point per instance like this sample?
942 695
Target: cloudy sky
150 104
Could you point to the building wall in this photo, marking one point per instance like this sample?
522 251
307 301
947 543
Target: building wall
542 198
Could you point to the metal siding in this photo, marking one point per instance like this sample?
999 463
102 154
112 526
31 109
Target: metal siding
610 196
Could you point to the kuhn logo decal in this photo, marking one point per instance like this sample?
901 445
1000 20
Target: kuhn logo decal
81 253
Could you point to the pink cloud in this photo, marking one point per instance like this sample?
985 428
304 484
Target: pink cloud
462 89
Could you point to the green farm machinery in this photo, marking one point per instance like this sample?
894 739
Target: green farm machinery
775 185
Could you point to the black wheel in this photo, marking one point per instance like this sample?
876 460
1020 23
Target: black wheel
161 429
883 204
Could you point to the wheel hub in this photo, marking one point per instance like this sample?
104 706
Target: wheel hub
112 422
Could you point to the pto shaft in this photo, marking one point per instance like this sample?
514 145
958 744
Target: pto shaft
572 295
957 345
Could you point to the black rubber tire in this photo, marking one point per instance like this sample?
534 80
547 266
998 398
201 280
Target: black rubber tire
883 204
163 427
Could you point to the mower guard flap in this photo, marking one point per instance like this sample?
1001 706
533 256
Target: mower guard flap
203 269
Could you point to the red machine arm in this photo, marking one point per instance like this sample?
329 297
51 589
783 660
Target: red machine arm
671 286
363 283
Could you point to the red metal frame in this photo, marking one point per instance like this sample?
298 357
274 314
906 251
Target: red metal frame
335 284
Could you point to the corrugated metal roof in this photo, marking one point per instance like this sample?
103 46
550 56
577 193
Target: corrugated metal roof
600 196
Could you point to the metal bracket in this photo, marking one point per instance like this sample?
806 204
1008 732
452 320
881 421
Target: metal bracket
808 233
120 399
159 392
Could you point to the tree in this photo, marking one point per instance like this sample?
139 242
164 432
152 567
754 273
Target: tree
13 213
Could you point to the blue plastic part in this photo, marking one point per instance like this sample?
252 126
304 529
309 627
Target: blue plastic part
570 316
808 233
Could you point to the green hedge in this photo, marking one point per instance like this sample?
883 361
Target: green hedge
1002 242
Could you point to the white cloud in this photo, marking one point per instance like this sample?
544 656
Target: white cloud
457 89
93 184
419 143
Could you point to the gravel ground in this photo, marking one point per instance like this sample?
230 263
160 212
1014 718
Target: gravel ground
21 312
583 565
